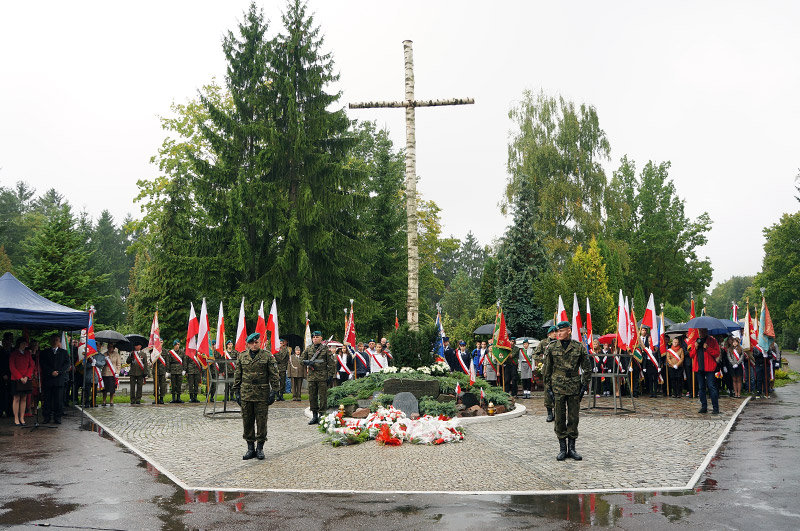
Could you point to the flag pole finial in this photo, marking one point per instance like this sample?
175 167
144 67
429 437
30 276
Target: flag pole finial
762 290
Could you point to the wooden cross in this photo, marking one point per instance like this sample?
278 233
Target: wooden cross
409 103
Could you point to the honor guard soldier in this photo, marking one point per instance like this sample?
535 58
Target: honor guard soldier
160 370
137 374
567 370
231 355
539 352
282 359
255 380
321 368
193 371
176 362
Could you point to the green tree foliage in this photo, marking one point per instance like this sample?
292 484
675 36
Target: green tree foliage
585 275
676 313
412 349
432 247
521 260
109 258
614 254
471 258
57 265
5 262
461 299
16 219
780 275
722 296
464 328
639 301
648 217
556 151
488 290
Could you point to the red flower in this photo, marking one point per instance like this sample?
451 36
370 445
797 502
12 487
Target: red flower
385 437
439 441
444 417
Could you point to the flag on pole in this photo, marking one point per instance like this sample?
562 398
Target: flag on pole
746 346
261 327
662 341
649 320
562 313
191 332
350 332
483 395
155 336
471 370
203 339
458 388
576 319
91 342
501 347
307 337
272 326
589 338
622 323
439 349
241 331
396 321
735 319
691 335
220 332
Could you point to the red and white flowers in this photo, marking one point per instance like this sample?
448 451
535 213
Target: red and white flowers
392 427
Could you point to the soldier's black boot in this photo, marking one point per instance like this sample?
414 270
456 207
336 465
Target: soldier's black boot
260 450
251 451
314 419
563 453
178 398
550 417
174 400
571 450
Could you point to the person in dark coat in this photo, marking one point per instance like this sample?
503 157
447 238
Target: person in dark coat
450 355
55 365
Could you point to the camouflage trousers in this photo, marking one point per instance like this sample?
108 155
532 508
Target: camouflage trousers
318 396
162 381
177 382
567 410
254 419
193 383
548 402
137 382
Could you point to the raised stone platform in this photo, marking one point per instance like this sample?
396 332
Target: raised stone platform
664 447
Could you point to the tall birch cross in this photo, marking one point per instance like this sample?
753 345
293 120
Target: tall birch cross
409 103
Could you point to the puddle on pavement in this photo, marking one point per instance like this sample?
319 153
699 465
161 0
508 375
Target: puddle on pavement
24 510
91 426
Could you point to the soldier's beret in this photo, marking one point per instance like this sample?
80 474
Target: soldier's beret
512 338
229 342
317 333
564 324
176 342
255 336
552 329
283 340
526 342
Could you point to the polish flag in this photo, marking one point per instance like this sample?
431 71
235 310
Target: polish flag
633 338
562 313
471 370
272 326
691 335
191 333
458 388
307 336
576 319
622 324
202 332
350 331
261 327
220 332
483 396
649 320
241 331
155 336
589 338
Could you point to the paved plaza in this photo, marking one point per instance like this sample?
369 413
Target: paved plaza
664 445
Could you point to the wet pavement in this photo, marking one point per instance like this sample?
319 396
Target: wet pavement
73 477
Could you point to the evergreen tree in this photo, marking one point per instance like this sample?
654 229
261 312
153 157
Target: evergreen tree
521 260
471 258
460 300
5 262
585 275
109 244
58 262
488 291
638 301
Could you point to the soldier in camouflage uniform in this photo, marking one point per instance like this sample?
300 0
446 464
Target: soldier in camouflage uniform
567 371
282 358
321 369
255 379
137 373
212 373
538 353
193 371
160 376
176 368
229 394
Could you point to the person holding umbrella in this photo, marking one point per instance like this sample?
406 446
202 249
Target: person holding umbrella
705 358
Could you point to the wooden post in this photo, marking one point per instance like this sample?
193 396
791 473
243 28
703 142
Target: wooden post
410 104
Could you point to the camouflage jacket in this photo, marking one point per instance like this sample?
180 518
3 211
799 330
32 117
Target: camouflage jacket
175 367
324 366
566 370
256 375
190 366
282 358
541 348
135 369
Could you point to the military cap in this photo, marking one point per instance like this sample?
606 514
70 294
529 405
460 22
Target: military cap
176 342
229 342
255 336
564 324
317 333
552 329
283 340
371 341
445 338
526 342
462 343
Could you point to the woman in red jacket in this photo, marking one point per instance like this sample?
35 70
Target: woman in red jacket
20 363
705 362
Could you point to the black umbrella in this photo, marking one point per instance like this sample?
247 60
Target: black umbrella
548 324
484 330
667 322
136 339
110 336
709 323
732 325
678 328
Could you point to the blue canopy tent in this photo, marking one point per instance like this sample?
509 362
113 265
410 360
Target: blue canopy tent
21 307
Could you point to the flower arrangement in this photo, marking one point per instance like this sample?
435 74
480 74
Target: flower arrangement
440 368
389 369
390 426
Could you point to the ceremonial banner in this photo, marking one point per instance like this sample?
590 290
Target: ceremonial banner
155 336
220 332
622 323
562 313
241 331
576 319
272 326
502 347
191 332
261 327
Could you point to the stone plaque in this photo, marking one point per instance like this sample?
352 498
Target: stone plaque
406 402
469 400
418 388
446 398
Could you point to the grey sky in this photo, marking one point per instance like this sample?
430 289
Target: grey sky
711 86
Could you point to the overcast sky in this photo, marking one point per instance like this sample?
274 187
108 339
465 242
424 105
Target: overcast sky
711 86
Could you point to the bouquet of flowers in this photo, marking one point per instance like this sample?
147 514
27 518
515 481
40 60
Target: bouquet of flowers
391 369
440 368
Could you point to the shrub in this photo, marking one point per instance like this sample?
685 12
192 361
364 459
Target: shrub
412 349
430 406
348 401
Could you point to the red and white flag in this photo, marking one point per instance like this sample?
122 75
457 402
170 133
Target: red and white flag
562 313
576 319
241 331
589 325
191 332
633 338
220 332
350 331
693 333
622 323
155 336
483 396
261 327
396 321
458 388
471 371
649 320
202 333
272 326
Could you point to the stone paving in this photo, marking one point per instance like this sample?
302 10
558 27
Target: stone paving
661 446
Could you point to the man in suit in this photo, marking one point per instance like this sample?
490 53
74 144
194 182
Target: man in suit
55 365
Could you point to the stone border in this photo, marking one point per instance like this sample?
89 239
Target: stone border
689 486
518 411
